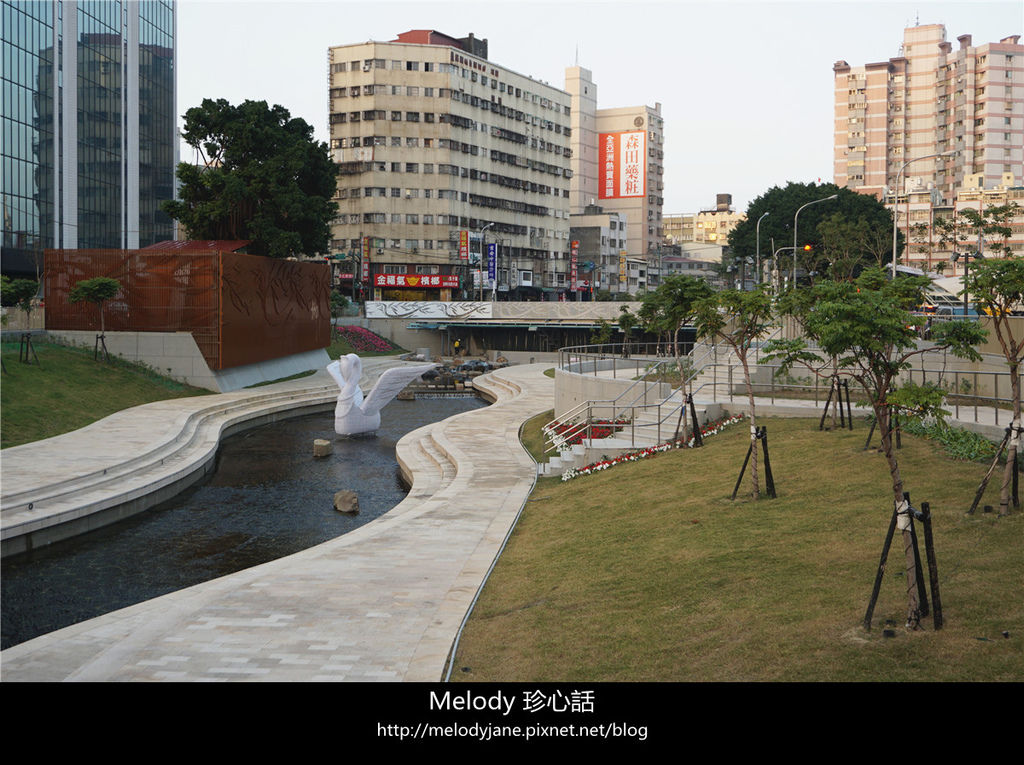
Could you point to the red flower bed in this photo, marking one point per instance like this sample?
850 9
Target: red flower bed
363 339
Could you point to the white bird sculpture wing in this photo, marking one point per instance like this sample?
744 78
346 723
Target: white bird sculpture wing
390 384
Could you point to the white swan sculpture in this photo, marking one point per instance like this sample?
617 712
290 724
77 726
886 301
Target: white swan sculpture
353 415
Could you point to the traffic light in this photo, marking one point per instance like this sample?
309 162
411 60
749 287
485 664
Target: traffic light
808 248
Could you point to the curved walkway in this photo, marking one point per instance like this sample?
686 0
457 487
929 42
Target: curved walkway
383 602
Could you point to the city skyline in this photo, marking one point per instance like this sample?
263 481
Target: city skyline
726 81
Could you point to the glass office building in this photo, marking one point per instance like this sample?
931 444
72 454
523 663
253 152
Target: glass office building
88 125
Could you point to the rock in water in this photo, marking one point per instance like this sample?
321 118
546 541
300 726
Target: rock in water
322 447
346 502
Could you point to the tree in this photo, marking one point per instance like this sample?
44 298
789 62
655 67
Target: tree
601 333
971 226
96 291
672 306
870 216
263 178
20 293
338 304
997 286
739 318
866 326
627 321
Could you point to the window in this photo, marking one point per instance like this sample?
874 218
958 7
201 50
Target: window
396 65
428 143
412 244
396 90
412 167
428 244
396 167
412 116
428 66
412 142
393 269
428 220
428 117
395 192
412 90
395 244
426 193
340 67
412 193
412 219
396 141
427 269
428 168
356 142
354 91
429 92
396 116
396 217
412 66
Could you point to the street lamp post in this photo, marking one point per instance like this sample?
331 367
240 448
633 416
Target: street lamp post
775 258
757 279
795 219
896 200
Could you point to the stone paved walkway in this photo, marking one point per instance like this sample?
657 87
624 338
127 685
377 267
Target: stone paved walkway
383 602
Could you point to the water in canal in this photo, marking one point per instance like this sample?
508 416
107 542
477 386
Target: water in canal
267 498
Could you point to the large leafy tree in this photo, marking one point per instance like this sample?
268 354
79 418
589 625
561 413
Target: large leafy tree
855 235
263 178
864 330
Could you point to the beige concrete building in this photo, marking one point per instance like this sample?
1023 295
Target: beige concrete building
434 139
919 210
710 225
929 100
601 168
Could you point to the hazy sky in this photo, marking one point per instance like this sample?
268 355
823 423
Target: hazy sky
745 87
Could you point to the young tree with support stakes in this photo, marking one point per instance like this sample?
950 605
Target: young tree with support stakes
739 318
96 291
867 326
997 287
667 310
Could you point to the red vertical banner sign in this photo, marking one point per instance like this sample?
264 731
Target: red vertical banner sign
622 165
463 245
574 254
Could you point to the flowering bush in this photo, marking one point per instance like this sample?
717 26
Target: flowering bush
363 339
712 428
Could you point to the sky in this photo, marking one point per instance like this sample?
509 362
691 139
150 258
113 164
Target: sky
746 88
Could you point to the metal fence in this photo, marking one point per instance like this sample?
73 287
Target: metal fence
241 309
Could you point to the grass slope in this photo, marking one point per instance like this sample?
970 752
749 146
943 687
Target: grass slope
648 572
69 390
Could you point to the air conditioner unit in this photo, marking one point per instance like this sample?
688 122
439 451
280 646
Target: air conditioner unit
367 67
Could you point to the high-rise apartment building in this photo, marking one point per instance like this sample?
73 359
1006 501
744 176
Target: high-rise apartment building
89 142
931 99
618 162
433 139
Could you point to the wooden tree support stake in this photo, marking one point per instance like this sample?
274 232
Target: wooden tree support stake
101 342
881 571
933 566
698 439
991 469
762 435
27 351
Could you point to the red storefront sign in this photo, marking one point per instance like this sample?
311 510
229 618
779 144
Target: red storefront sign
464 245
433 281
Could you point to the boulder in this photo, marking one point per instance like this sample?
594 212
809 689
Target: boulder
322 447
346 502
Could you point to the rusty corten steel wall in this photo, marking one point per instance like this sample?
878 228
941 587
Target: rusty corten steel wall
273 308
240 309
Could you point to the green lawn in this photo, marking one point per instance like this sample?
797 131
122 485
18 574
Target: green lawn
648 572
69 390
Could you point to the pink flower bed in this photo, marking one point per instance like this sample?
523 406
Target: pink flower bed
363 339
